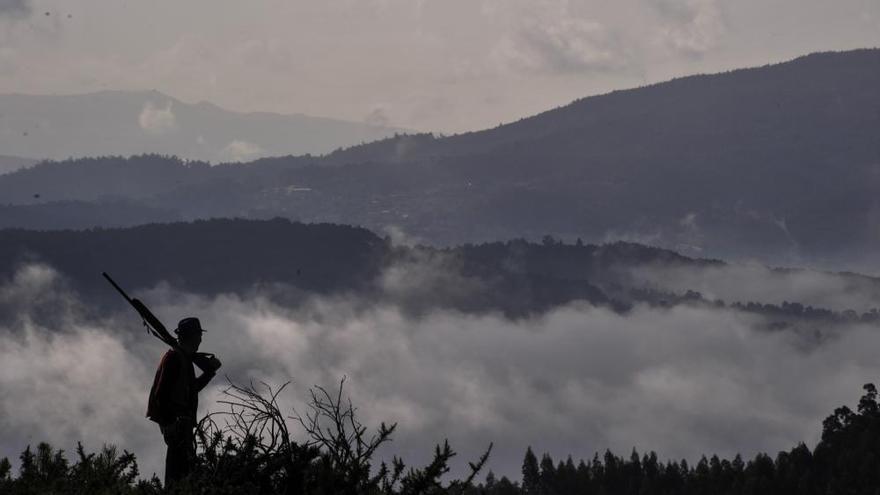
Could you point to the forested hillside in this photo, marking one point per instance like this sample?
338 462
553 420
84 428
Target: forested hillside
517 277
777 163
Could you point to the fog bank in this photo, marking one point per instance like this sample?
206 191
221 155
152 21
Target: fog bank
575 380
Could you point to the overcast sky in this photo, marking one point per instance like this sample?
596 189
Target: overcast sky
440 65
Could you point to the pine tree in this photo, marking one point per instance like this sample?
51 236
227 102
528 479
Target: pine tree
531 475
548 479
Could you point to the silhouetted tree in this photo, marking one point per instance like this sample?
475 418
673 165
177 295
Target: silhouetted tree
531 475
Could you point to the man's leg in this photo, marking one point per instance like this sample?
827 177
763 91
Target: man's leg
179 457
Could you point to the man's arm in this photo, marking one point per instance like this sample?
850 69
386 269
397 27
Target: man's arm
205 377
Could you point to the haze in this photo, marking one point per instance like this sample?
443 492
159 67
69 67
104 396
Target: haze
445 66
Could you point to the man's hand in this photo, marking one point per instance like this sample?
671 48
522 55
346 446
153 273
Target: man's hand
206 362
214 364
209 364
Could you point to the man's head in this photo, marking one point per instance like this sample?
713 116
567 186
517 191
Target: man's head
189 334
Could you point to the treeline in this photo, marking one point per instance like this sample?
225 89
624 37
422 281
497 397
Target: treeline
798 310
780 314
845 461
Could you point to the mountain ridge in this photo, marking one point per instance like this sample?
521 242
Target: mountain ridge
869 53
117 122
778 163
9 164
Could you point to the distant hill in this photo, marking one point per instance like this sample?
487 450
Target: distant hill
208 256
135 122
292 261
779 163
13 163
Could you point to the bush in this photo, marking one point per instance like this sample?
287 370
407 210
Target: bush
249 448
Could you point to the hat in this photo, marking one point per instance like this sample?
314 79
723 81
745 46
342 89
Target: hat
189 325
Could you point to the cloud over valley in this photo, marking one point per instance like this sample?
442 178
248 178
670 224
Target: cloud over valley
683 380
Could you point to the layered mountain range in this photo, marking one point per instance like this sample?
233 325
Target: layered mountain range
778 163
123 123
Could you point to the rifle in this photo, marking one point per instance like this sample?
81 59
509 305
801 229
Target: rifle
155 327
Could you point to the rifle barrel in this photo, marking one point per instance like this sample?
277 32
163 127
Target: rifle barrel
116 286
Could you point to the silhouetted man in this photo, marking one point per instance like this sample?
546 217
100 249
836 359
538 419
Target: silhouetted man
174 398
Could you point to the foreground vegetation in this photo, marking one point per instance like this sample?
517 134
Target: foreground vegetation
250 449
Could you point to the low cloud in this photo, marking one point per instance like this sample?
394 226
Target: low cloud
577 379
754 282
65 378
378 116
157 120
239 150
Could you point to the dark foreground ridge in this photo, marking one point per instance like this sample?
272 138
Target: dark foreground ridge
231 461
